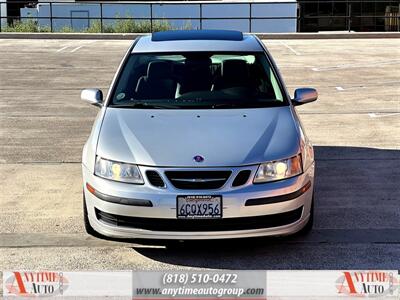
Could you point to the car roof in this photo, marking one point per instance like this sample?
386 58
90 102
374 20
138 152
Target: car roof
197 40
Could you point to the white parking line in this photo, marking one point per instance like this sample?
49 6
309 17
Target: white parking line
374 115
290 48
349 66
340 88
76 49
61 49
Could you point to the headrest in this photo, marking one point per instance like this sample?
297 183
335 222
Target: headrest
234 67
159 69
204 62
198 68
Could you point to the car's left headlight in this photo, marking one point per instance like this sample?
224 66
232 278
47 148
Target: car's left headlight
280 169
117 171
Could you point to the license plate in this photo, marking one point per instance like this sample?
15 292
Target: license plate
199 207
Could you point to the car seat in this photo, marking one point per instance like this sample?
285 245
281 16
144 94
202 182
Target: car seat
234 73
159 83
196 76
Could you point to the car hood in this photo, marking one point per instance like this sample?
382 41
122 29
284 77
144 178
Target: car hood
224 137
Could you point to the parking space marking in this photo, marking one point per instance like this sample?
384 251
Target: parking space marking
76 49
340 88
369 86
290 48
375 115
361 65
63 48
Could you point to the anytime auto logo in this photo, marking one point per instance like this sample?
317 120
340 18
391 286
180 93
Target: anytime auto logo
35 284
367 283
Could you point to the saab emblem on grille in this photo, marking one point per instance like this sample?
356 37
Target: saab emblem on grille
198 158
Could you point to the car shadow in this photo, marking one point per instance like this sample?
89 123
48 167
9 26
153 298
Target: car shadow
356 222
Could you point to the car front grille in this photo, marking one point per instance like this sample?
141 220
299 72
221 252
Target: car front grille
155 179
193 225
241 178
198 180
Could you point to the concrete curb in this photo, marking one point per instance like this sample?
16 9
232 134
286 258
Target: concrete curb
131 36
328 35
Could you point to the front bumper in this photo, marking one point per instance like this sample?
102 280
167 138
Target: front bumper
163 209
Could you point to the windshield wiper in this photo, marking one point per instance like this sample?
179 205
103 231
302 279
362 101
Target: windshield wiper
228 105
246 105
145 105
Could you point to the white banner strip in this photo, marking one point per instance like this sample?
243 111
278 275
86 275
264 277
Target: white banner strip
378 284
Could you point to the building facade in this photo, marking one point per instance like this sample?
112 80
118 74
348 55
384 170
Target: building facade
361 15
260 16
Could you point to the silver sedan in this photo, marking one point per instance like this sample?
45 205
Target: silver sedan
197 138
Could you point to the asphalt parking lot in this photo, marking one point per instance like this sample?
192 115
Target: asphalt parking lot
355 127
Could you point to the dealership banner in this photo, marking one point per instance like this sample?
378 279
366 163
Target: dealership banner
203 284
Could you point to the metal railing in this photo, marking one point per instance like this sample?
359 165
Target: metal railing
248 14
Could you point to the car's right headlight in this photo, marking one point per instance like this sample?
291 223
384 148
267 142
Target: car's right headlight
280 169
117 171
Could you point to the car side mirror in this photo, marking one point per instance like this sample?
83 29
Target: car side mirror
93 96
304 95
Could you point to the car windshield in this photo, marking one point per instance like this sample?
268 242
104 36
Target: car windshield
197 80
